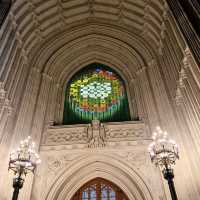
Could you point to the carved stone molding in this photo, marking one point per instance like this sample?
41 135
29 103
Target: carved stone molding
165 11
137 158
2 91
83 136
141 70
66 135
55 163
4 101
124 133
178 97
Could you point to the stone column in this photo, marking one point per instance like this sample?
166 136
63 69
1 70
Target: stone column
187 108
2 104
134 106
187 149
185 25
13 135
41 107
26 111
59 109
50 117
162 102
150 115
38 124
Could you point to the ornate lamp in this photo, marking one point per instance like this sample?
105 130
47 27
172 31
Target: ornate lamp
164 153
22 161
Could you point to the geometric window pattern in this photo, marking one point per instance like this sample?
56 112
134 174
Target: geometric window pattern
99 189
96 92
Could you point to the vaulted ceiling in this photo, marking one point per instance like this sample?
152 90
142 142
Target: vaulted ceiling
39 19
52 34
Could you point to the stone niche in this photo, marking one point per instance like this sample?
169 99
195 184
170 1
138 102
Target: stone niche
74 154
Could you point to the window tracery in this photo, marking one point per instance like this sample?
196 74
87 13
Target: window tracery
99 189
96 92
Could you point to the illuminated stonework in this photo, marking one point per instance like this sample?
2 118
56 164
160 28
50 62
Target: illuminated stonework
96 92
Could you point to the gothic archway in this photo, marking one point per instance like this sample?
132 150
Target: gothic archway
99 189
108 167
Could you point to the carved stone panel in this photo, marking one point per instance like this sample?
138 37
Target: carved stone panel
92 136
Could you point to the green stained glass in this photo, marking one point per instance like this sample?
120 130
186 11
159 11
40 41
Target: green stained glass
95 92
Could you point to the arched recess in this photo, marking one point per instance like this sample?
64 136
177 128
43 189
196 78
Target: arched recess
108 167
110 61
60 56
89 49
69 66
50 48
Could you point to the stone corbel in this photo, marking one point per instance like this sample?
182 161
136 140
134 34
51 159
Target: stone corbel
61 16
4 102
19 39
13 21
188 59
2 91
163 29
180 85
46 76
120 13
182 74
147 12
186 62
35 70
31 6
165 11
132 81
191 67
35 21
187 52
7 105
91 7
160 47
151 63
25 57
145 29
178 97
141 70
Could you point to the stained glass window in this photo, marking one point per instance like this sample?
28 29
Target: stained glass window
99 189
96 92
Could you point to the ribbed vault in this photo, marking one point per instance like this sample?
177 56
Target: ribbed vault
66 53
36 21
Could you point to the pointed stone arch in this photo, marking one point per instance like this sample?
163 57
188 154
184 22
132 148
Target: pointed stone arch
99 165
98 57
114 107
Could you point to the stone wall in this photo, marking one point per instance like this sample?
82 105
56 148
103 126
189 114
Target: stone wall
43 43
68 161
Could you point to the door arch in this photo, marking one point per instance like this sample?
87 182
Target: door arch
93 165
99 189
